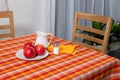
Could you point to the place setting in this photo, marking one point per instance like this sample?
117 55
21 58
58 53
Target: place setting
42 47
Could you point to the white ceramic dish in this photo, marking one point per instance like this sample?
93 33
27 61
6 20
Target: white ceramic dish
20 55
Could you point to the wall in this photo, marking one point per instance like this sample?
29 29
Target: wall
30 15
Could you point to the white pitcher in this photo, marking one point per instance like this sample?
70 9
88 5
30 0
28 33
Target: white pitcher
42 38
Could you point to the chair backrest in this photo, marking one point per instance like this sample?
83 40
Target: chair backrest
92 17
10 26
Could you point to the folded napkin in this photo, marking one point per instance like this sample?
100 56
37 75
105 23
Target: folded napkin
68 49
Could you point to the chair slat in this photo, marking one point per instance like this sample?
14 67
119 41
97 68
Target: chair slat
91 30
89 38
5 27
92 47
97 18
5 35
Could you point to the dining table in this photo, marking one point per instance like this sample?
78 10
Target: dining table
85 64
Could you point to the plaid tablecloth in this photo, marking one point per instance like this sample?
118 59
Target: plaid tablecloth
86 65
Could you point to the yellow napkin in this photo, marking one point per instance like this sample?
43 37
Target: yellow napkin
68 49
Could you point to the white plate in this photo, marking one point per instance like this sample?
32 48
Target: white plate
20 55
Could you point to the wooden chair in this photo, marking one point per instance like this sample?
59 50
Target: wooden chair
10 26
92 17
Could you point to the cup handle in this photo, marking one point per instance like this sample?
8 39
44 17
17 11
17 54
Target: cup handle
50 38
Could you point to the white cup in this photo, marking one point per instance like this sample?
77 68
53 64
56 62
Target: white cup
56 50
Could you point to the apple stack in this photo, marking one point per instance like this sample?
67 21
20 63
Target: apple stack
31 50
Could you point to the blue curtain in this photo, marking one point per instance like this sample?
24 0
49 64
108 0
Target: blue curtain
62 13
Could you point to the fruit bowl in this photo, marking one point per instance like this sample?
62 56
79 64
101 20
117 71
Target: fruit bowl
20 55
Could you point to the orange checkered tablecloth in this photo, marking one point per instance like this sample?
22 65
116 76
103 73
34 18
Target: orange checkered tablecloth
86 65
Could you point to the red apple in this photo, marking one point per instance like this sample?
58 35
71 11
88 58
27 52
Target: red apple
40 49
29 52
28 44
